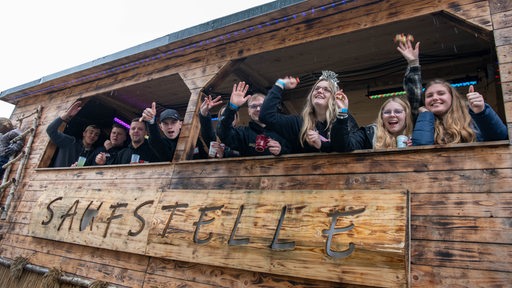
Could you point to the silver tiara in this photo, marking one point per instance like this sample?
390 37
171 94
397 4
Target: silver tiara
329 76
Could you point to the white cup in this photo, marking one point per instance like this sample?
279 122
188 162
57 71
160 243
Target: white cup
212 152
401 141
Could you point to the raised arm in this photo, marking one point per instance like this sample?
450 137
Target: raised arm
412 79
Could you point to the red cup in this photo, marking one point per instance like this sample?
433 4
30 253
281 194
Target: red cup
261 143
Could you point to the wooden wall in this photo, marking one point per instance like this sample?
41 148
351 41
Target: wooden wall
461 196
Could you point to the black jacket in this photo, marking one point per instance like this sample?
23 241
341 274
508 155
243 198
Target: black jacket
243 139
344 140
144 151
162 146
288 126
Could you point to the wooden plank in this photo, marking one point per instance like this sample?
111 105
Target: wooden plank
152 281
88 218
502 20
465 255
227 277
476 181
429 276
106 257
500 6
462 204
503 36
380 226
507 91
471 229
506 72
477 13
379 232
405 160
504 56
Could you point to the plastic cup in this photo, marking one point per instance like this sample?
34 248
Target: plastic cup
135 158
401 141
81 161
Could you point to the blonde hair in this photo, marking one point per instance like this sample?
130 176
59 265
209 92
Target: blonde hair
5 125
384 139
455 125
309 116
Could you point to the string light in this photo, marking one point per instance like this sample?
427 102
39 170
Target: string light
376 95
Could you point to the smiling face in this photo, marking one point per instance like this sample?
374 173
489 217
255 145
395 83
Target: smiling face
438 99
254 106
137 132
90 135
322 93
393 117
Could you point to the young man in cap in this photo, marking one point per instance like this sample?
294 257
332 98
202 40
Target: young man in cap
170 124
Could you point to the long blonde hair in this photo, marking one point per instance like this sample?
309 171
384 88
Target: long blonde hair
309 116
384 139
455 125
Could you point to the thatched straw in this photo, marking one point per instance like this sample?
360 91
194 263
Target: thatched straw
17 267
99 284
51 279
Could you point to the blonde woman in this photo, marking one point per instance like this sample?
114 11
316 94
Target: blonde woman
449 118
394 119
310 131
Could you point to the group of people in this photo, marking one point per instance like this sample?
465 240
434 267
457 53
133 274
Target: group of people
123 146
442 116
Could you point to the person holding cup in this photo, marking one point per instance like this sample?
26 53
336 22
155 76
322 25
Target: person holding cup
208 144
310 131
71 148
116 142
393 123
243 138
138 151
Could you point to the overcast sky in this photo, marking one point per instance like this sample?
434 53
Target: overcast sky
39 38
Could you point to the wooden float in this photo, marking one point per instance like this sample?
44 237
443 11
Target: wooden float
432 216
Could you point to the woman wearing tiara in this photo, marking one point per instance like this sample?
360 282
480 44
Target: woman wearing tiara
310 131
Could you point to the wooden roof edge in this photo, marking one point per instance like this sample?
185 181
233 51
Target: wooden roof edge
159 42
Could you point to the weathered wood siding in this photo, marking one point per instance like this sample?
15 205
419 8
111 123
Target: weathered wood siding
461 196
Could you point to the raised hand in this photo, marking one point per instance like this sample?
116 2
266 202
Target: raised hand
149 113
476 100
238 96
107 144
72 111
209 103
289 82
410 54
341 99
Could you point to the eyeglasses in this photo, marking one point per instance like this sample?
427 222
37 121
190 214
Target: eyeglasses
318 88
396 112
255 106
